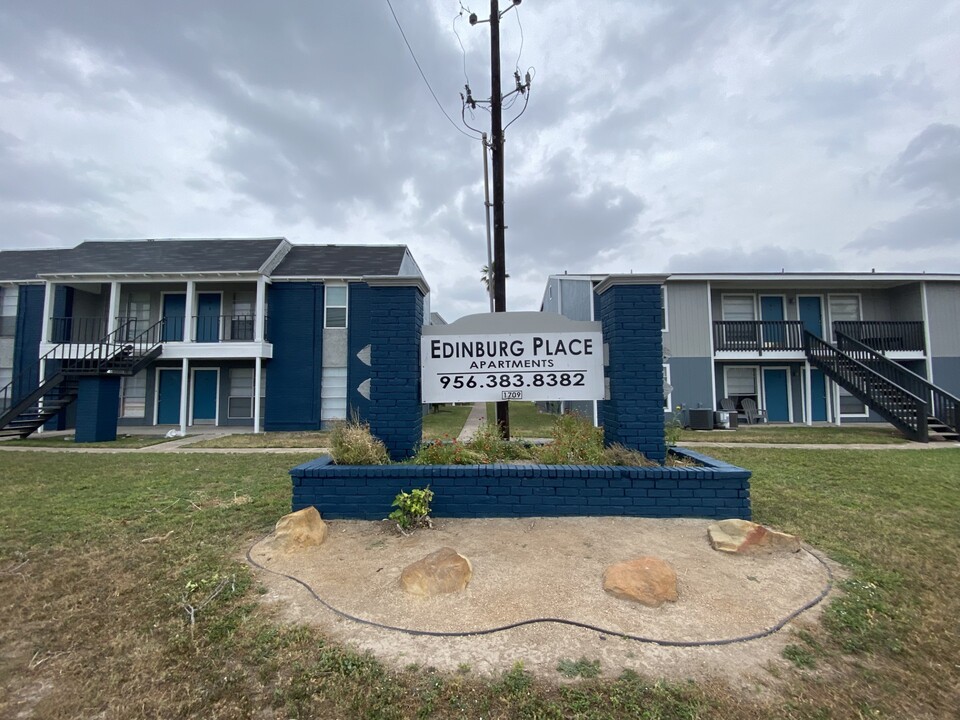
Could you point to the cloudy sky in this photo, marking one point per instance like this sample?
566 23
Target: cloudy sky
678 135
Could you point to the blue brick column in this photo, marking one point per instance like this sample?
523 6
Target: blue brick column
98 404
396 324
630 310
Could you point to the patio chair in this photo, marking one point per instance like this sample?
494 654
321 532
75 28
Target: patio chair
728 405
753 413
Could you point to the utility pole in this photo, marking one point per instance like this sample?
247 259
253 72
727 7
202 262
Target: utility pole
496 151
498 267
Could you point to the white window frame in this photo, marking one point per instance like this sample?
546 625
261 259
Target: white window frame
10 291
668 399
756 381
665 321
723 304
840 413
124 382
253 390
829 310
345 306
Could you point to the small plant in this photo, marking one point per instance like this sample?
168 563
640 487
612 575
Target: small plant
352 443
799 656
412 509
575 442
673 427
579 668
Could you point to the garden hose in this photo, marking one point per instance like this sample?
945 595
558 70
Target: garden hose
560 621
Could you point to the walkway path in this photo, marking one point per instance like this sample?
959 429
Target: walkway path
825 446
475 419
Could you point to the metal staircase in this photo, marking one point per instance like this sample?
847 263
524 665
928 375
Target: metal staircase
943 414
27 402
893 392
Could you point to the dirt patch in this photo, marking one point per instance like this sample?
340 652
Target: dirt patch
549 568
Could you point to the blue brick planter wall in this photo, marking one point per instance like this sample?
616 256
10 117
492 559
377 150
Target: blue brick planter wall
632 415
713 490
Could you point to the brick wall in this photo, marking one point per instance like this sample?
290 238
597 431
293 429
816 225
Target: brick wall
396 323
715 490
633 413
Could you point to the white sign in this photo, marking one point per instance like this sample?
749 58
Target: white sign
458 365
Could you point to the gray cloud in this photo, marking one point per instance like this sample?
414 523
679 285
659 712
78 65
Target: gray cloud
931 162
925 227
763 259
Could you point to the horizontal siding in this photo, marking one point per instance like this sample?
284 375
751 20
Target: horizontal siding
688 320
943 306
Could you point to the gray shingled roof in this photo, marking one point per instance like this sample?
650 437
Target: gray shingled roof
179 256
26 264
341 261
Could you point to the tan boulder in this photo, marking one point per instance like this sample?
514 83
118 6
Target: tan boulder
745 537
647 580
298 531
443 571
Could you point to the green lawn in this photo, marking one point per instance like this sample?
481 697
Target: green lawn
266 440
92 623
525 420
882 434
122 441
446 422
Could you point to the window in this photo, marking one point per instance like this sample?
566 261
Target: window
240 397
335 306
741 382
138 312
133 396
333 393
849 405
663 308
740 330
667 388
844 308
241 324
8 311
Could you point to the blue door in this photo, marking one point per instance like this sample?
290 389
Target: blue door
208 317
818 396
168 397
811 315
204 396
174 308
776 398
771 309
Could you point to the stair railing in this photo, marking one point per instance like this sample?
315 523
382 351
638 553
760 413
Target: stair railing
77 359
943 406
898 406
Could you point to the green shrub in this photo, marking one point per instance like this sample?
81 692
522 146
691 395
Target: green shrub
673 427
488 444
446 452
575 442
351 443
412 509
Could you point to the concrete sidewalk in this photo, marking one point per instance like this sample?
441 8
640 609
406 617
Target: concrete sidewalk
476 418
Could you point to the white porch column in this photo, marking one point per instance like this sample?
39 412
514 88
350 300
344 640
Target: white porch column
836 404
260 320
808 396
43 374
47 310
184 394
189 329
114 310
258 363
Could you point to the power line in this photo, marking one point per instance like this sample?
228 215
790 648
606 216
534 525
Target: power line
427 82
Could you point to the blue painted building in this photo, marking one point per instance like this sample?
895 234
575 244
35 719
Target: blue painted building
805 347
256 332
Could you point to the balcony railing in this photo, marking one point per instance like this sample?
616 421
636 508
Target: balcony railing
224 328
758 336
884 335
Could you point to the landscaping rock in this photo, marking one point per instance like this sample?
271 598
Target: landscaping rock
745 537
443 571
298 531
647 580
